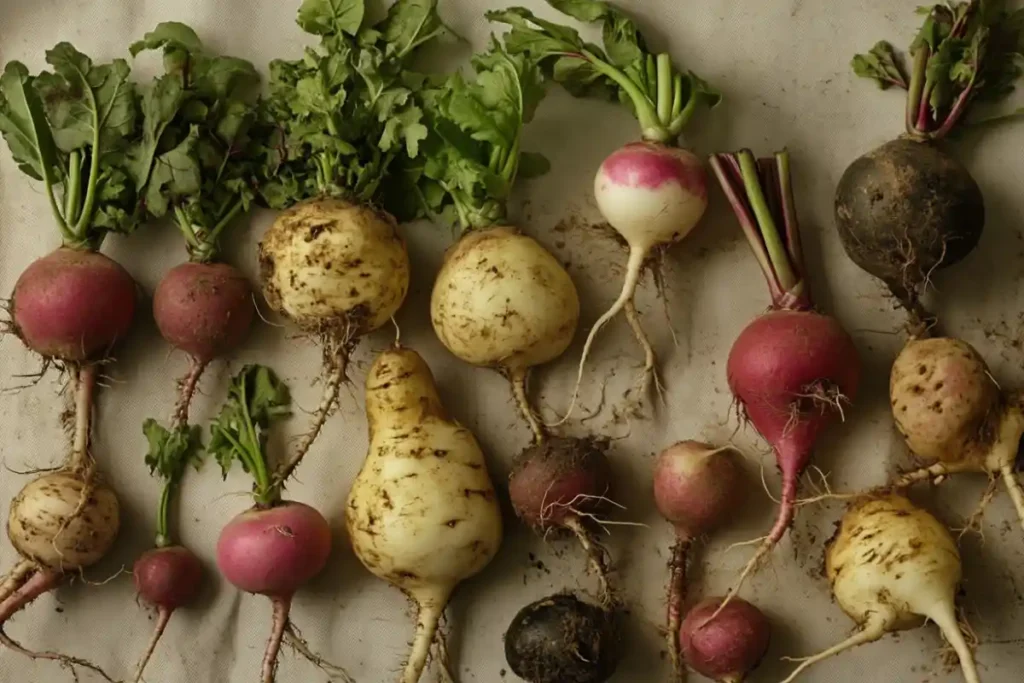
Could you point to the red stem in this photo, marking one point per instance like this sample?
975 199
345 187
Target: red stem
40 582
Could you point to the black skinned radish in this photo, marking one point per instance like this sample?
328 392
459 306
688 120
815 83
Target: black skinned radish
697 488
893 567
422 514
652 192
908 209
793 370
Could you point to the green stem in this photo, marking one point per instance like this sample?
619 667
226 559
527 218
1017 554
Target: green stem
915 91
665 88
677 97
73 187
82 224
650 125
259 469
163 534
793 245
651 76
680 121
185 226
208 249
766 223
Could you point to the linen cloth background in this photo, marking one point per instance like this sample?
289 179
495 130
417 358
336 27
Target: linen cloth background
783 67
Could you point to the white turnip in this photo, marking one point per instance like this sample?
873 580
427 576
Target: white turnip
651 192
892 567
792 370
422 514
729 646
697 488
954 416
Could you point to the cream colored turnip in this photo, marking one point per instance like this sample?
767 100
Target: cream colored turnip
894 567
422 514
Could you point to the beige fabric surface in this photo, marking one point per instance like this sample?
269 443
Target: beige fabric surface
783 66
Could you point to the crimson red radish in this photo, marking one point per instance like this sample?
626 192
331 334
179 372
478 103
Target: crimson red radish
276 546
652 192
697 487
727 647
792 370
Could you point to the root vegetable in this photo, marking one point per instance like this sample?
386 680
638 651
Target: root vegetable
728 647
651 192
792 370
908 209
276 546
953 415
561 639
422 514
893 567
697 487
333 263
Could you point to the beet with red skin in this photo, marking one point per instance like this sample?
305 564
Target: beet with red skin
561 475
272 551
168 577
561 639
731 646
697 487
204 309
73 305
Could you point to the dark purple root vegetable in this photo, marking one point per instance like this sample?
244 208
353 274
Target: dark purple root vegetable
730 646
561 639
905 210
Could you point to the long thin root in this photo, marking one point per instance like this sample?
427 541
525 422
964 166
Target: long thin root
282 606
186 390
650 374
973 524
163 616
518 379
1013 487
871 632
676 598
597 555
64 660
293 638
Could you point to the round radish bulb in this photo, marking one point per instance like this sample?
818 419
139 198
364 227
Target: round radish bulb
275 550
728 647
204 309
62 522
561 639
169 577
73 305
697 486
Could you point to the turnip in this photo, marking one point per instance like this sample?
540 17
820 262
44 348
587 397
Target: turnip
893 567
728 647
954 416
907 208
697 487
332 263
500 300
422 514
561 639
276 546
202 307
792 370
652 192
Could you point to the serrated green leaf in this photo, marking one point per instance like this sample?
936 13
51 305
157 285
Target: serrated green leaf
332 17
880 65
161 102
24 126
410 24
171 451
584 10
175 175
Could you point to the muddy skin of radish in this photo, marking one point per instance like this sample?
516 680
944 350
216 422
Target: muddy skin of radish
728 647
561 639
697 488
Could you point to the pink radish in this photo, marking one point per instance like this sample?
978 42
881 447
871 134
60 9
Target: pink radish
728 646
792 369
696 488
276 546
651 192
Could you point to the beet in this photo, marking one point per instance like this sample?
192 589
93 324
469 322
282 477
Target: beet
168 577
561 639
557 479
729 646
905 210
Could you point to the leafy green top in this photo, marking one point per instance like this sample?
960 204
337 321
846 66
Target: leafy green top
170 452
341 115
71 128
196 159
965 52
256 399
662 97
473 154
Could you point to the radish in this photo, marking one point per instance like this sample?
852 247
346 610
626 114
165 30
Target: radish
561 639
500 300
202 307
907 208
729 647
651 192
696 488
792 369
892 567
422 514
332 263
276 546
954 416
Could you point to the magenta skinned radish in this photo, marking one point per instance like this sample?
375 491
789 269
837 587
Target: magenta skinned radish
652 193
728 646
792 370
697 488
276 546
